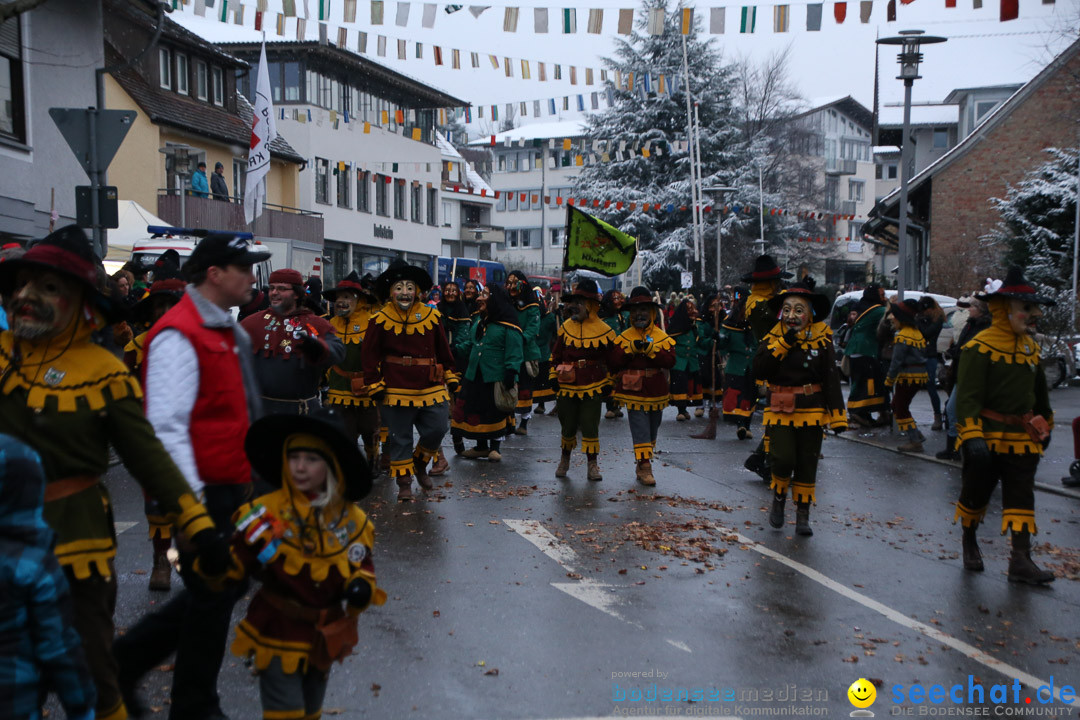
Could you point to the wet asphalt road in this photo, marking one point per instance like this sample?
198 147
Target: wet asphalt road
517 595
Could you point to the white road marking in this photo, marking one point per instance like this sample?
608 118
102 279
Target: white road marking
547 543
122 526
595 595
944 638
681 646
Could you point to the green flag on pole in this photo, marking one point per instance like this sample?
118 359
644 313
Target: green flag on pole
592 244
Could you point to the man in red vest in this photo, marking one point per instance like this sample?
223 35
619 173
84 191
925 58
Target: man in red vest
201 397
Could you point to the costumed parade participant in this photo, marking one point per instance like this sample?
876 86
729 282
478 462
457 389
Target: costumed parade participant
293 347
456 320
907 371
737 341
407 368
612 313
469 292
685 390
494 348
545 339
579 374
164 292
765 280
70 400
711 374
353 303
310 547
642 353
797 360
1004 416
527 306
867 377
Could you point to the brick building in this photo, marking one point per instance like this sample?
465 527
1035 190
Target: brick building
949 201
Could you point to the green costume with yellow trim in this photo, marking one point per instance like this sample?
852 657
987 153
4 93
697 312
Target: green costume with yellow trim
579 364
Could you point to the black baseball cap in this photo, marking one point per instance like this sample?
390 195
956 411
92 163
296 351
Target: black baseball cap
221 249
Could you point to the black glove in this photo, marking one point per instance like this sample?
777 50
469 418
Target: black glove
977 454
509 378
791 337
554 384
213 552
640 345
358 593
838 430
377 396
1046 442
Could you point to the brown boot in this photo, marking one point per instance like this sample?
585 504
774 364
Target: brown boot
564 465
593 468
404 488
937 422
776 512
972 557
420 467
802 519
644 473
441 465
1022 568
161 575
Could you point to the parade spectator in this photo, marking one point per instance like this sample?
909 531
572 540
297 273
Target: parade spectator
218 186
495 347
42 649
200 186
201 396
579 374
125 283
930 319
303 617
71 400
293 347
1003 410
796 359
907 371
470 292
641 354
312 296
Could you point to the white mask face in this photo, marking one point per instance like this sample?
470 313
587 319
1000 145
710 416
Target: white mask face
796 314
404 293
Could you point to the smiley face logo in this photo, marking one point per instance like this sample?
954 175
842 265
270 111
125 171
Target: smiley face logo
862 694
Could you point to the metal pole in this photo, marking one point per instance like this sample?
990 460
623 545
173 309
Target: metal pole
183 208
1076 234
719 265
690 148
100 241
700 194
905 154
543 210
761 211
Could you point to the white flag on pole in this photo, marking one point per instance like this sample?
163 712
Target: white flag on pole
263 131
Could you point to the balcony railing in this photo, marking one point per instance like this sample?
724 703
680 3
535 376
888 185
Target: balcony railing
479 233
840 166
275 221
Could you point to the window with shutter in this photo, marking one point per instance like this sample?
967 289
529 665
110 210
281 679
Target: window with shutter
12 102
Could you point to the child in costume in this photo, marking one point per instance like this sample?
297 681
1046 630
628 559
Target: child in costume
736 340
310 546
907 371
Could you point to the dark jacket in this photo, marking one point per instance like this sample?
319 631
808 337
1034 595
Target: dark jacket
218 187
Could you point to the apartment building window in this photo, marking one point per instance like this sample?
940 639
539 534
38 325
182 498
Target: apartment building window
344 185
502 163
446 212
500 203
219 86
524 200
202 80
892 172
856 190
512 162
380 195
941 138
181 73
165 68
512 200
832 193
856 230
12 102
557 236
239 178
322 181
399 200
432 204
527 236
417 206
363 191
511 240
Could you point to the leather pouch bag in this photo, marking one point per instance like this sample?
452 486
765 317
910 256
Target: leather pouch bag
357 386
532 368
1037 427
782 402
566 372
333 641
632 380
506 397
437 374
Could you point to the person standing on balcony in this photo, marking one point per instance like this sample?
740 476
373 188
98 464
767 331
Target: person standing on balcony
199 185
218 186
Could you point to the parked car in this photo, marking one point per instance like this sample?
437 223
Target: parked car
846 303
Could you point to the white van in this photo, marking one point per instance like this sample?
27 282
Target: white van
145 253
846 303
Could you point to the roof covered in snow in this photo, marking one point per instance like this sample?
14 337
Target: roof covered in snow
537 131
893 117
472 178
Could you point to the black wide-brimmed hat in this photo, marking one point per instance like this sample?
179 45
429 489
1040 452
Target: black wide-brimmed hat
640 296
266 438
351 282
401 270
66 251
805 290
765 268
1014 287
906 311
588 289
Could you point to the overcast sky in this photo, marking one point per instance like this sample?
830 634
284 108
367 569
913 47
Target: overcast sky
837 61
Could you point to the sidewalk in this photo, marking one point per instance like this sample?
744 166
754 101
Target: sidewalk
1055 462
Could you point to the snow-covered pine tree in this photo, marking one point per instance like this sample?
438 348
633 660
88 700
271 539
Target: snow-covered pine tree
641 116
1038 217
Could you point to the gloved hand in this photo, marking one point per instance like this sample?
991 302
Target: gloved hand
791 337
377 396
554 383
213 552
308 342
509 378
640 346
976 453
358 593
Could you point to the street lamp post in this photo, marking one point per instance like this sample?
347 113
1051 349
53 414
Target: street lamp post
181 157
909 59
719 194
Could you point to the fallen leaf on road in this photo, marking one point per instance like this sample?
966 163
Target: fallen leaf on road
852 659
492 671
435 613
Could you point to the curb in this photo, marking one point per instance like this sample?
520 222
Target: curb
1052 489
